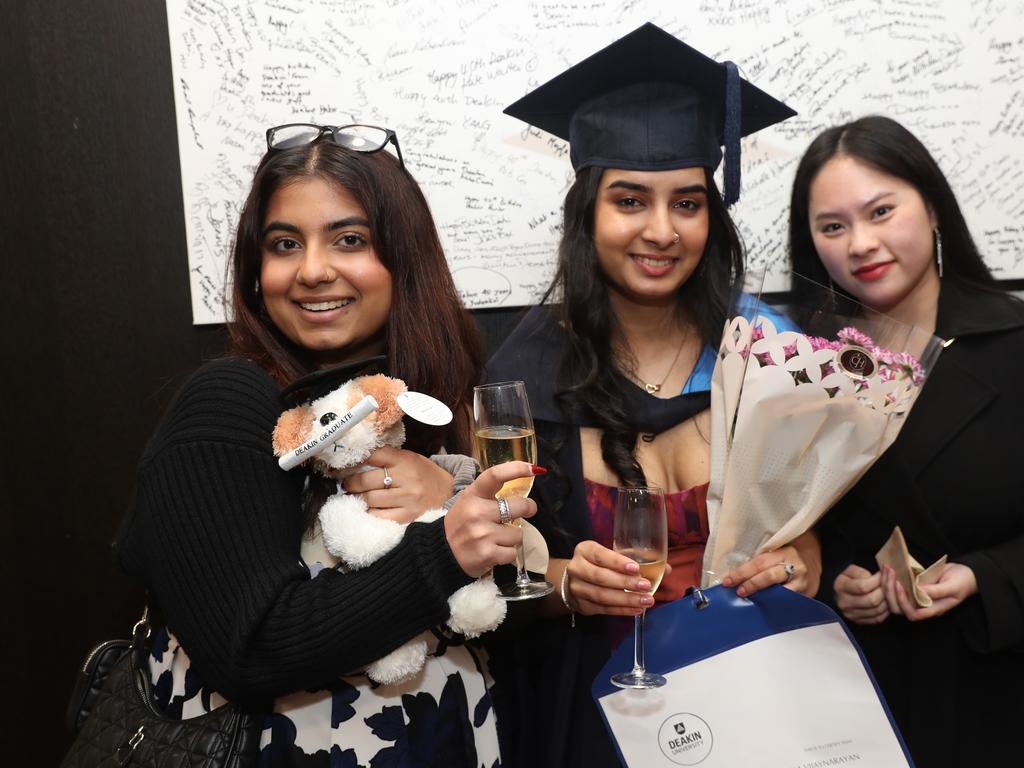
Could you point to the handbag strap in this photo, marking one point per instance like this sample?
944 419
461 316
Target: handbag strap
142 629
139 649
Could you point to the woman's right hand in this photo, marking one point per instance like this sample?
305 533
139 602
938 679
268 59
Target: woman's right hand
599 578
860 597
473 526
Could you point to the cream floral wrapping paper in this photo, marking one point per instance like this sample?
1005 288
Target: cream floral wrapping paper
805 396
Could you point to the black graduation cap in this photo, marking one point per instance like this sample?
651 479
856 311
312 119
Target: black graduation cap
650 102
317 384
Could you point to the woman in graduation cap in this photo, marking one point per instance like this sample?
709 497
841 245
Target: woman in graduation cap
335 258
873 213
617 363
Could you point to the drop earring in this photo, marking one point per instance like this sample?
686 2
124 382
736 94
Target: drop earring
938 250
256 288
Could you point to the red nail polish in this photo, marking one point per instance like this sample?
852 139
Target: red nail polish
537 469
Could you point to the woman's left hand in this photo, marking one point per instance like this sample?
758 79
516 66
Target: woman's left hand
796 566
416 484
955 585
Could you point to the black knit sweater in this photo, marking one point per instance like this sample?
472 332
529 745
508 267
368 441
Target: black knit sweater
214 535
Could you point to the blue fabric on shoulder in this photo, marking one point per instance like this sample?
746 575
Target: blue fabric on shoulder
700 376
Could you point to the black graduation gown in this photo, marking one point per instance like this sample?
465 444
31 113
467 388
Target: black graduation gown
544 668
952 481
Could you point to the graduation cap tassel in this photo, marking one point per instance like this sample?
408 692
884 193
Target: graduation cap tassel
732 133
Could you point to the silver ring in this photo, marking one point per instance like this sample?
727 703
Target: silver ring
504 513
388 480
790 570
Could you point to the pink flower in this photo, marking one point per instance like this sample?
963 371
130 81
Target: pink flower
851 335
817 342
908 365
882 355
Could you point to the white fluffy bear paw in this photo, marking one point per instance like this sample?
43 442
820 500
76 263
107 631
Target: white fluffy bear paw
476 608
400 665
353 535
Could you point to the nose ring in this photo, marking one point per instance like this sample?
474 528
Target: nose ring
676 240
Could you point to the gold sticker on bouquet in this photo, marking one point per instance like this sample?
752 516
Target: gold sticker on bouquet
856 362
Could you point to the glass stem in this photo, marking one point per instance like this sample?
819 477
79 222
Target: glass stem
638 643
522 577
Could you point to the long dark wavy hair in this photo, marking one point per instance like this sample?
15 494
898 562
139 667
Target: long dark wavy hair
590 374
432 342
887 146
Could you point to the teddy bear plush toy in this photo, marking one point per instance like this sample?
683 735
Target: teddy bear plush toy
335 435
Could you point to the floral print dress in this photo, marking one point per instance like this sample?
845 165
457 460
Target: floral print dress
442 717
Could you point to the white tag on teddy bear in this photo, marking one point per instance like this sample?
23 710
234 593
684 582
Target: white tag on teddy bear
425 408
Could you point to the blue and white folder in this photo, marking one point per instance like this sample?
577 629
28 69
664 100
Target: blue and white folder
773 681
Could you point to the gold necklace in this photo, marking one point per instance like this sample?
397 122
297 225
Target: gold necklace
653 389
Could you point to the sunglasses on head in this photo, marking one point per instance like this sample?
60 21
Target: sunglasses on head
358 138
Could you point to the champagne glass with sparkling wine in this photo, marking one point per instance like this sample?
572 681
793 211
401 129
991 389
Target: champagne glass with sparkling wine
641 534
504 432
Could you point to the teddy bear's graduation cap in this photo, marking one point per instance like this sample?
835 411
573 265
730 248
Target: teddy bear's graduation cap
650 102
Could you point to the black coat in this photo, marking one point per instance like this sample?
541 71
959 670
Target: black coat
953 482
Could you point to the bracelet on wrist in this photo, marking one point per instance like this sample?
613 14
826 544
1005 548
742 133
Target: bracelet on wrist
564 592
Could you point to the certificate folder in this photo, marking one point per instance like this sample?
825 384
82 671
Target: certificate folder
773 681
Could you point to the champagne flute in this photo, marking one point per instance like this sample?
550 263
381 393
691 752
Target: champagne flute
641 534
504 432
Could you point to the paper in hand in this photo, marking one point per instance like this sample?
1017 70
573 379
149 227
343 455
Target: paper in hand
910 573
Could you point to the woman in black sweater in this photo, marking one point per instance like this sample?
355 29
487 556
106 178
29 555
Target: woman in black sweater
336 259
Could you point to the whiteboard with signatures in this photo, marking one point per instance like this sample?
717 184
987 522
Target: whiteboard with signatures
439 72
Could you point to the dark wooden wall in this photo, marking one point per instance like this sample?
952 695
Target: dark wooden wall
97 329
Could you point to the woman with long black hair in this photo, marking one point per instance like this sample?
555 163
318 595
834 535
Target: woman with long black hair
618 359
873 213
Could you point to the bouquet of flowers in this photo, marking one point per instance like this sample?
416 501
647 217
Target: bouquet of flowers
806 394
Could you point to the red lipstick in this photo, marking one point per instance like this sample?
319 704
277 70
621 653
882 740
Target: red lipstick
872 272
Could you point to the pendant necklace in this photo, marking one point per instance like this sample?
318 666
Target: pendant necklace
653 389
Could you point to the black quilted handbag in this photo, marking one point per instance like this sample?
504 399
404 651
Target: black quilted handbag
117 723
